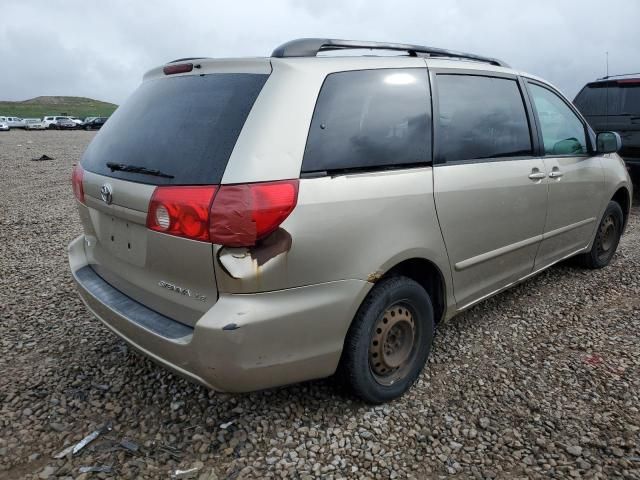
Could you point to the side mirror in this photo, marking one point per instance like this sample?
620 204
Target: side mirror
608 142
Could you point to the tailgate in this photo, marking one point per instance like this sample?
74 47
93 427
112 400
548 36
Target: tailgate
171 275
173 131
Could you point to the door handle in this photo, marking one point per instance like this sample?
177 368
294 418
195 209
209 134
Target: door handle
555 174
537 175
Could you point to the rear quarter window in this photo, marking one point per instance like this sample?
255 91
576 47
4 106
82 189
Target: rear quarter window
370 119
184 126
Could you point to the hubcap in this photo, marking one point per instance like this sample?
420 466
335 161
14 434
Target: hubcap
392 344
607 237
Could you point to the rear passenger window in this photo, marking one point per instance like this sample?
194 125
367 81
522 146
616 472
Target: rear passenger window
370 118
480 117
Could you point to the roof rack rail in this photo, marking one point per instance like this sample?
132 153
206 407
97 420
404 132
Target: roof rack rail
310 47
616 76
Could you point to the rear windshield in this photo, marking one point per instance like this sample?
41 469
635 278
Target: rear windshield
185 127
610 98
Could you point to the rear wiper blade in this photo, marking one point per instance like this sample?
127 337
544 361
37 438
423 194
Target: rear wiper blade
137 169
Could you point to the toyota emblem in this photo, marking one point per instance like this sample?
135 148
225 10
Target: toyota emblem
106 193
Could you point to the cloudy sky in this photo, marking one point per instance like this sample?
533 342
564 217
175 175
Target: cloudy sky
101 49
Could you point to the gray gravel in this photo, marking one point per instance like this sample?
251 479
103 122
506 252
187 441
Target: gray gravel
541 381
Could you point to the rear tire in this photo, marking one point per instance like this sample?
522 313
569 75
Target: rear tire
389 340
607 238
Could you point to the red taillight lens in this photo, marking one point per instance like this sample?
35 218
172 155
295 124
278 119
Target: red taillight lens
76 182
243 214
178 68
238 216
181 211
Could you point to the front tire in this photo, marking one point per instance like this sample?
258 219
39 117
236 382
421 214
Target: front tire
389 340
607 238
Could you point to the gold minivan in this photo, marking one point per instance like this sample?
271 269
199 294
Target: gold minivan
256 222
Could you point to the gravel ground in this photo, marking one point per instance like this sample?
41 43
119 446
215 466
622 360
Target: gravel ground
541 381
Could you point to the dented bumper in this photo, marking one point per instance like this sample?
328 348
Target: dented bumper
244 342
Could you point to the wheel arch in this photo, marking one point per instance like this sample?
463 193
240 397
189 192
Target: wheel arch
429 276
623 198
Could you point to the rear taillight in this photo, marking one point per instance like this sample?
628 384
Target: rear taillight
181 211
76 182
243 214
230 215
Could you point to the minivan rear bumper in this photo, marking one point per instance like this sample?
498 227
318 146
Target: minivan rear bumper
244 342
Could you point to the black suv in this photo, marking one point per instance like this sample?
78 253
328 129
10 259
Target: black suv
613 103
95 123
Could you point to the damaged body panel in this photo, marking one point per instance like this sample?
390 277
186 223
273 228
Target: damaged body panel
289 259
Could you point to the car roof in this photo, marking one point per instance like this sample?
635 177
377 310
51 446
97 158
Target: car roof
326 64
323 56
624 78
314 48
332 63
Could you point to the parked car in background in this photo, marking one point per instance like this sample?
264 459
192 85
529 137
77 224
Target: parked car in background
613 103
50 121
4 125
77 121
95 124
15 122
65 124
33 124
88 119
320 216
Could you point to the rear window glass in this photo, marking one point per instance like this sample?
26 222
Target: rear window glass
183 126
610 98
480 117
591 100
369 119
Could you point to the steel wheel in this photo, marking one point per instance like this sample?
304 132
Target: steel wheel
607 237
393 344
389 340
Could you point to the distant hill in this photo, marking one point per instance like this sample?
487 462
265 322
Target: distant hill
40 106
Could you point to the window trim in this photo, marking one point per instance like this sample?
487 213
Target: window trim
437 159
585 125
372 168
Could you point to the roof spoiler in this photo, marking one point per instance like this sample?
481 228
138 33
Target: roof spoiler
310 47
